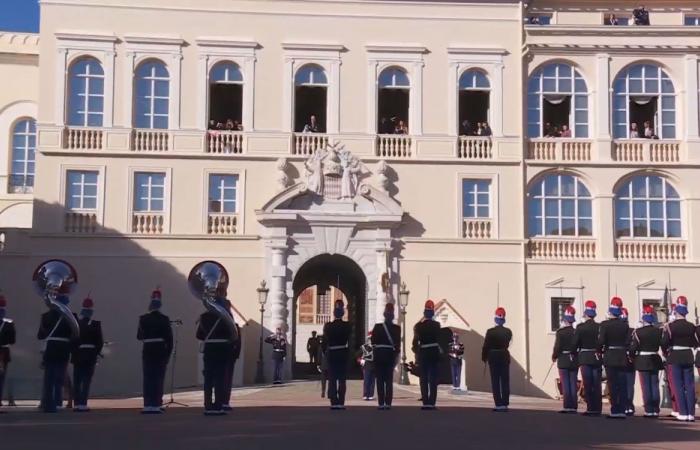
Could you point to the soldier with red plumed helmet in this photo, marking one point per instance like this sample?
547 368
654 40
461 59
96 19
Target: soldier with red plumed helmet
85 353
564 354
386 337
7 339
426 334
336 343
629 368
586 345
613 340
644 349
495 352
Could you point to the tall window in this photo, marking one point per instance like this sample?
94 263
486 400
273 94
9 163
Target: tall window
310 97
693 21
86 93
476 199
81 190
23 149
474 91
393 101
647 206
559 205
152 95
644 104
226 96
557 100
222 193
149 192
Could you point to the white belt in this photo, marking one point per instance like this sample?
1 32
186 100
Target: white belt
384 346
588 350
434 344
216 341
150 341
565 352
647 353
278 350
681 347
338 347
87 346
5 346
616 347
59 339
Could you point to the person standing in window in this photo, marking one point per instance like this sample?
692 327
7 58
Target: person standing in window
612 20
479 129
641 16
401 127
312 126
648 130
565 131
634 132
486 129
465 128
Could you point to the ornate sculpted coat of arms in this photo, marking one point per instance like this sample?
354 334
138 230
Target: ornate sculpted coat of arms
333 172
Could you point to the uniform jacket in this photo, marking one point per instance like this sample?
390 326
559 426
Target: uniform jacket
55 350
679 333
216 337
613 340
646 339
456 349
8 336
312 345
366 355
237 344
697 354
385 355
89 345
279 345
496 343
155 325
564 352
586 343
336 334
426 340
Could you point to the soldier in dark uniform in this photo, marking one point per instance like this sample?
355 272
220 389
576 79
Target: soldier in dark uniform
279 352
336 340
7 339
629 369
679 340
312 348
55 331
586 346
322 365
231 367
85 353
217 346
697 354
157 336
644 349
495 352
386 337
613 341
426 346
564 354
366 359
456 353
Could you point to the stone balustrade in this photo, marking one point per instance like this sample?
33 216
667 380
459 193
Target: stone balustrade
148 223
224 142
646 150
476 228
577 249
393 146
560 149
150 140
83 138
305 144
80 222
647 250
222 223
474 147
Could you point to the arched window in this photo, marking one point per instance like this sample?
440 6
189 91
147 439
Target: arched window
647 206
393 101
559 205
226 96
86 83
474 91
23 149
152 95
644 104
310 99
557 103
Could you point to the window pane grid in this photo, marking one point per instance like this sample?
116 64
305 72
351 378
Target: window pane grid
81 190
23 154
476 199
560 205
222 194
149 195
86 79
642 213
153 96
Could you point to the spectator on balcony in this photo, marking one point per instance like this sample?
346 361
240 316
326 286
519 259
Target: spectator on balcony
553 132
565 131
634 132
229 125
400 127
641 16
385 126
649 131
466 128
479 129
237 125
212 124
312 126
611 20
547 131
486 129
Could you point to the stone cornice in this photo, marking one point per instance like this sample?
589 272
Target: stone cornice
154 39
67 35
607 30
396 48
466 50
219 41
311 46
653 49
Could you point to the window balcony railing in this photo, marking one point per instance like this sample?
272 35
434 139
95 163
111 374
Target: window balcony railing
19 184
306 144
474 147
222 224
473 228
143 140
148 223
80 222
649 250
646 150
559 149
393 146
83 138
574 248
322 319
224 142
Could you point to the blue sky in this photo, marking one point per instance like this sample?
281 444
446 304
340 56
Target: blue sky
19 15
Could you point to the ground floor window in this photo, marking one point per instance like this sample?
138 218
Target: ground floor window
557 308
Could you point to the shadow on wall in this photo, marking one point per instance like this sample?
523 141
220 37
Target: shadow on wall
119 274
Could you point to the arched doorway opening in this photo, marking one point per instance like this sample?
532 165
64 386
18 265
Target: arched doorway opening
317 285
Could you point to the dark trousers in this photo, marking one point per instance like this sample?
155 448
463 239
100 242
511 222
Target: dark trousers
684 388
337 376
649 382
82 377
617 382
568 378
313 358
500 382
153 381
429 381
214 383
456 366
278 362
592 392
669 381
629 375
228 380
3 373
385 383
52 393
368 381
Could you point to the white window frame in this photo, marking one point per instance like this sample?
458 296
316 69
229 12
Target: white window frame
101 182
647 199
694 16
494 211
25 149
240 197
81 186
561 288
167 201
475 198
8 118
539 181
89 80
151 96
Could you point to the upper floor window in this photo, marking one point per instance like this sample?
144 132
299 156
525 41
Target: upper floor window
152 95
393 101
476 199
23 150
647 206
310 99
474 92
81 190
644 104
557 103
149 192
539 19
86 83
614 19
226 97
692 20
222 193
559 205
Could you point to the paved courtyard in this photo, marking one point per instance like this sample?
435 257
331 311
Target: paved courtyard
295 417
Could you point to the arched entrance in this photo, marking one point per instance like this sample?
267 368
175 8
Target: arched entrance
317 284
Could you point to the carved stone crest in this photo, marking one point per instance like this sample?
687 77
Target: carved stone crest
333 172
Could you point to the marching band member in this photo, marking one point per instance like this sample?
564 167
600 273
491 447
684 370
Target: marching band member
279 352
386 337
426 334
679 341
7 339
564 354
156 334
613 340
85 353
586 346
367 364
644 348
629 368
235 353
495 352
456 354
336 338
